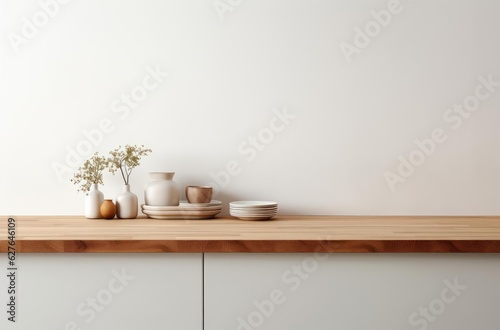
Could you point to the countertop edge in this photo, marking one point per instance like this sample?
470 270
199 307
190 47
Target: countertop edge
254 246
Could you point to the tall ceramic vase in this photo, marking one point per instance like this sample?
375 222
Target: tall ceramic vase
126 204
162 190
93 202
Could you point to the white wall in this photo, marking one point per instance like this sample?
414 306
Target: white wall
353 120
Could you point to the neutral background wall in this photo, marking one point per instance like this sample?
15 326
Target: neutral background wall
227 76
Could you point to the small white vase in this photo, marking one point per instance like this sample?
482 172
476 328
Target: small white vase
162 190
93 202
126 204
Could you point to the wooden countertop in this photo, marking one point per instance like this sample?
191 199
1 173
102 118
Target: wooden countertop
283 234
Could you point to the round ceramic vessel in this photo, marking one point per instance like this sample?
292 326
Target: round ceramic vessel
108 209
162 190
199 194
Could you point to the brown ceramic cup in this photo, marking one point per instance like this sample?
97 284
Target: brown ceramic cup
199 194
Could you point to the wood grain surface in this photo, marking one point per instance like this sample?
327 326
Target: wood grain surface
284 234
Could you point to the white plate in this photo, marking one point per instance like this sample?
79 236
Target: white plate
252 212
187 217
185 206
268 209
253 204
253 215
254 209
179 208
181 213
254 218
213 202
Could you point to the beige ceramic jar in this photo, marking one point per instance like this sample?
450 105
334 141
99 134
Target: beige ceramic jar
162 190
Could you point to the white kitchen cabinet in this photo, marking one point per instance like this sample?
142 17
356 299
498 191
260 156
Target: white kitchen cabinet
352 291
121 291
257 291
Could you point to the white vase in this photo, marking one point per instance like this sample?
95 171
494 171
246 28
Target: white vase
126 204
162 190
93 202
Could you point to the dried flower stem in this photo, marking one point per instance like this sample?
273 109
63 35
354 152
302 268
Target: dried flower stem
90 173
126 159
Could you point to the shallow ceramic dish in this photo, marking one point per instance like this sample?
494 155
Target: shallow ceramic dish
187 217
181 215
256 218
185 206
253 204
254 210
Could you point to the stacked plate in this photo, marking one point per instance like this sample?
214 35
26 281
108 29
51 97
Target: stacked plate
253 210
185 211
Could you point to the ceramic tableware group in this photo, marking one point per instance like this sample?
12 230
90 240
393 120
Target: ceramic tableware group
162 200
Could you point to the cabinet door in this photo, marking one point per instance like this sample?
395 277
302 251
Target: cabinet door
107 291
351 291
